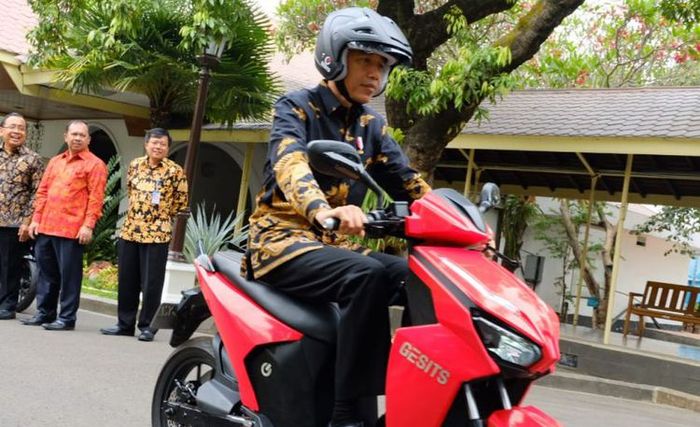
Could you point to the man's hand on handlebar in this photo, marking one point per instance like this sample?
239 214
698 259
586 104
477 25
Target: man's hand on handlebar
351 217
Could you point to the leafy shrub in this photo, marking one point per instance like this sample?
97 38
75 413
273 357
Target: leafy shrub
104 236
101 275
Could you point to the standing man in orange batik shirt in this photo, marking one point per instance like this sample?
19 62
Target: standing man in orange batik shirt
68 204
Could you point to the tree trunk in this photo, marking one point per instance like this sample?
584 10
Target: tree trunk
593 286
427 136
517 212
607 258
159 117
572 235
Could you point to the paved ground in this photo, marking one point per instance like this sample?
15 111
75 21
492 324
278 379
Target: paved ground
78 378
83 379
575 409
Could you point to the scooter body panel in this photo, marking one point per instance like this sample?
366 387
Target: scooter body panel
427 367
496 291
434 219
527 416
243 326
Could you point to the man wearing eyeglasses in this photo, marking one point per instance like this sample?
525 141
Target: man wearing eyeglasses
157 190
20 174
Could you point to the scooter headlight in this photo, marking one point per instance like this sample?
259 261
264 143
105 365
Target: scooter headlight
506 345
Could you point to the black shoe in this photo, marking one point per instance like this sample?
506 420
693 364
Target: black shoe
116 330
7 315
147 335
58 325
35 321
348 424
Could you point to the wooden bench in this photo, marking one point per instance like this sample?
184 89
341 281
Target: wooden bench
664 301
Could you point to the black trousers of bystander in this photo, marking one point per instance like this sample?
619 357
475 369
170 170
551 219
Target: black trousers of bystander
11 253
141 270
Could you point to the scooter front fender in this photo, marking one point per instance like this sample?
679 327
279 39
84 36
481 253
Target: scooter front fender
527 416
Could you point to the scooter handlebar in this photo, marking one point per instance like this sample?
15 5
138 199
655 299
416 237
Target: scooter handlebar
332 224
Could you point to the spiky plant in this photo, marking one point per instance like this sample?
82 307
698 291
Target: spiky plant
213 232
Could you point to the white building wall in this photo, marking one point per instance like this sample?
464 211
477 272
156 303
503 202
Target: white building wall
130 147
638 264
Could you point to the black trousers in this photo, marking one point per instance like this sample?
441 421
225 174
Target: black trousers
60 262
141 270
11 253
363 287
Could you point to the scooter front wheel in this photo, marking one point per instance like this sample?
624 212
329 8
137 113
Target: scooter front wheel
187 368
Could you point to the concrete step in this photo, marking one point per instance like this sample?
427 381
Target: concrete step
632 365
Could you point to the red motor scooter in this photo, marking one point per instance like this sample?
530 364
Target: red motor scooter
478 335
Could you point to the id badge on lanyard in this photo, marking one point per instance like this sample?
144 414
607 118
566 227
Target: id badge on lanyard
155 194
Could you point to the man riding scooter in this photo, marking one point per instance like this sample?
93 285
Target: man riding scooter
288 247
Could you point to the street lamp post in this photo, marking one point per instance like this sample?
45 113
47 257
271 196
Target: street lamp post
210 58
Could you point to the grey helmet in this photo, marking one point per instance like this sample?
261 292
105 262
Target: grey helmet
362 29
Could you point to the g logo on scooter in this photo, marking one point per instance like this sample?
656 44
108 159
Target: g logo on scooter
266 369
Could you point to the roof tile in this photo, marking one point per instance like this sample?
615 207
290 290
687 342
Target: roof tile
16 19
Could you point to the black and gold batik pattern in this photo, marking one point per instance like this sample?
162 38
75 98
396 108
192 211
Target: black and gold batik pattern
281 227
149 216
20 175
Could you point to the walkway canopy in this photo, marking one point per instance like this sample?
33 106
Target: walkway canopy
551 142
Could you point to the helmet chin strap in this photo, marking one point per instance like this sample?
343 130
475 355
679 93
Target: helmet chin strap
340 84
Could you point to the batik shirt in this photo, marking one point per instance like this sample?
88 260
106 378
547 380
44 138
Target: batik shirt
70 194
282 226
20 174
156 195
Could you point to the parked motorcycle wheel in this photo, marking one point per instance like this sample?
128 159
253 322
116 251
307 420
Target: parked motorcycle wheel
27 283
188 367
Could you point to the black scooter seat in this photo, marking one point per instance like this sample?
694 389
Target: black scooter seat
315 320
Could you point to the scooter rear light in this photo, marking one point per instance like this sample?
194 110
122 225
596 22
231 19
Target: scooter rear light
506 345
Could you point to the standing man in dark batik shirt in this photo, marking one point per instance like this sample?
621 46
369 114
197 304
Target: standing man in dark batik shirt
20 174
157 190
355 52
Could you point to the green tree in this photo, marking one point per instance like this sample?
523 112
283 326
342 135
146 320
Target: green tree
518 213
631 43
687 11
463 50
151 47
560 232
680 224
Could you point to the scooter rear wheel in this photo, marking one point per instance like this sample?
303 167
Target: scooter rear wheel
188 367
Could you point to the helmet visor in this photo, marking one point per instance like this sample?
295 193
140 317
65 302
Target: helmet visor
392 55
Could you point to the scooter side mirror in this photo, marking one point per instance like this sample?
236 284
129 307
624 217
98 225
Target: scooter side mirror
340 160
333 158
490 197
